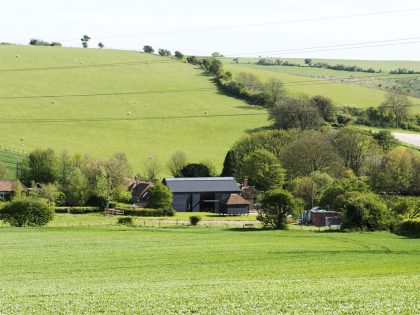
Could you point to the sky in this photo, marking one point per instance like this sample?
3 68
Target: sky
234 28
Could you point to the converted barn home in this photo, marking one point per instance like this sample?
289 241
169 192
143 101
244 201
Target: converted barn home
208 194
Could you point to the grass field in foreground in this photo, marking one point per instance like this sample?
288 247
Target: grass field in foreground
206 271
104 101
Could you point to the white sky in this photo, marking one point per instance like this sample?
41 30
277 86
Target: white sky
67 21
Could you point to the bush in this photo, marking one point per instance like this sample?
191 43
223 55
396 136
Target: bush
77 210
100 202
409 228
148 212
160 197
112 204
26 212
125 221
194 219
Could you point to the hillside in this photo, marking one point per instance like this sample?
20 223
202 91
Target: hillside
361 92
9 160
104 101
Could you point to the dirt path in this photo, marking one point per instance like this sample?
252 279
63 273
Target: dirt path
410 138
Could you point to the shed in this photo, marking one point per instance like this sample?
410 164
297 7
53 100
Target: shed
234 204
195 194
320 217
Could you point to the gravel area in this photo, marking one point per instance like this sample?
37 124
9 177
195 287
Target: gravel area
410 138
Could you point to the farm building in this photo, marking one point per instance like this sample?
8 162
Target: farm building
320 217
7 188
139 191
212 194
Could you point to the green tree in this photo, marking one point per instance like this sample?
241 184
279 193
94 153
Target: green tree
296 112
216 54
274 91
179 55
326 107
85 40
398 105
195 170
148 49
385 140
117 168
248 81
407 208
275 206
364 211
176 163
160 197
151 168
41 166
26 212
192 60
308 61
101 45
164 52
78 189
263 170
229 164
310 188
312 151
354 147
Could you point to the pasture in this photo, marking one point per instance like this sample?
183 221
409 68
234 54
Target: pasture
9 160
202 270
105 101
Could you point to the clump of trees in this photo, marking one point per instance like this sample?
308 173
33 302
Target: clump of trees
40 42
85 41
148 49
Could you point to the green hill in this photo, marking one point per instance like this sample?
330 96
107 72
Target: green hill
104 101
9 160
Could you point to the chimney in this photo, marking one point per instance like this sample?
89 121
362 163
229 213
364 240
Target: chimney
245 183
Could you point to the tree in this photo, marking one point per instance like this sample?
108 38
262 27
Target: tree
2 170
78 189
164 52
275 206
216 54
275 91
151 168
229 164
215 67
385 140
354 147
148 49
249 81
160 197
263 170
101 45
298 112
179 55
310 188
176 163
236 60
192 60
308 61
85 40
398 105
325 106
311 152
117 168
195 170
364 211
41 166
26 212
407 208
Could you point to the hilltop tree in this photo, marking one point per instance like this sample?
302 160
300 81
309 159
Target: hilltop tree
148 49
216 54
308 61
179 55
101 45
85 39
164 52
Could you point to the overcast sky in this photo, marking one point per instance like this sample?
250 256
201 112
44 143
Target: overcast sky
129 24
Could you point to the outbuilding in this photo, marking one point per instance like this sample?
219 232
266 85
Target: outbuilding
234 204
194 194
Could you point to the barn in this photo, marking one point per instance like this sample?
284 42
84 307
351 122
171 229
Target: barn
210 194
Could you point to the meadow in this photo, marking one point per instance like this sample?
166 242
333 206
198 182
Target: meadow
9 160
202 270
106 101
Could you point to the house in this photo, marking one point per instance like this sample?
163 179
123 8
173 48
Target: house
320 217
209 194
7 188
249 193
234 204
139 191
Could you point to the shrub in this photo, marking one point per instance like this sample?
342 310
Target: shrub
26 212
98 201
160 197
194 219
148 212
112 204
410 228
77 210
125 221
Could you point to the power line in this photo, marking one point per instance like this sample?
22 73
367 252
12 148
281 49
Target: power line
217 28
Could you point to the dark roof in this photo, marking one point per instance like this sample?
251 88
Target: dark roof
235 199
138 188
202 184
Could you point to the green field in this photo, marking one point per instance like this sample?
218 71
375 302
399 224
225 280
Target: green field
206 270
9 160
310 81
105 101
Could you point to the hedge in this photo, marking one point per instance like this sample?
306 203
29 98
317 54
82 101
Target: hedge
144 212
77 210
409 228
